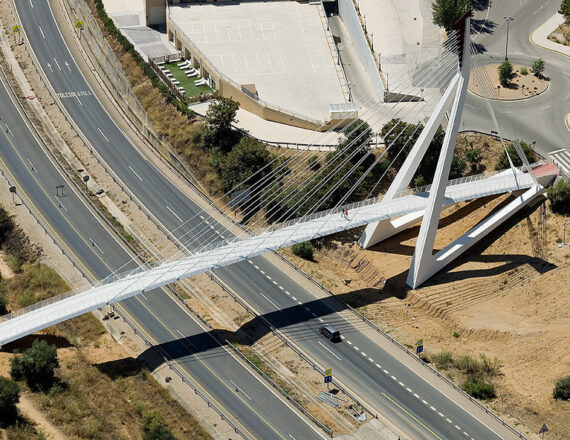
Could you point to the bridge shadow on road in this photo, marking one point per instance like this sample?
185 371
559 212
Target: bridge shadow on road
301 321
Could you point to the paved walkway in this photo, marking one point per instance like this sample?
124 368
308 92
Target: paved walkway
129 16
540 36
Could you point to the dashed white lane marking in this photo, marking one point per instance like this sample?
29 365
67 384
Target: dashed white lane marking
457 427
329 350
416 396
135 173
465 434
424 402
349 343
250 262
432 408
378 366
313 314
293 298
287 292
386 372
300 303
102 134
409 390
202 217
274 305
31 4
440 414
362 353
401 384
320 320
207 222
307 309
174 214
268 277
282 288
370 360
393 377
223 236
274 282
261 272
355 347
57 64
40 28
448 421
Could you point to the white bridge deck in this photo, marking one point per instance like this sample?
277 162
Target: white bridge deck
50 312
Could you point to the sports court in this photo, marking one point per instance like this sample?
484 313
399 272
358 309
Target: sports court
281 47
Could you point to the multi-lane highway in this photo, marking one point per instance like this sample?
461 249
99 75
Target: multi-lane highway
383 381
541 118
198 355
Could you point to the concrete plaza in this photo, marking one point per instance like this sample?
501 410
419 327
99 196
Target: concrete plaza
281 47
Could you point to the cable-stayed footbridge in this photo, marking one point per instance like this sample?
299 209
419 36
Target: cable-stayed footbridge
351 159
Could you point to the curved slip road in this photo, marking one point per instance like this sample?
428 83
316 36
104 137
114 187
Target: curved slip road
401 395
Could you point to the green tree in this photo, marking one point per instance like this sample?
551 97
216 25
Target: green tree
401 136
6 225
506 73
9 398
218 133
445 13
36 365
503 161
242 163
303 250
565 8
559 196
537 67
562 389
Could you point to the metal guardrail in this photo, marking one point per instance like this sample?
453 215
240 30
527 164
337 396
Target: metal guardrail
167 360
400 346
288 343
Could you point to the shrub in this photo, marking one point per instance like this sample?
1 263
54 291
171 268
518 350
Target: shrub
559 196
444 359
3 304
505 73
9 398
314 163
503 161
537 67
524 71
467 364
303 250
27 298
36 365
155 428
562 389
479 389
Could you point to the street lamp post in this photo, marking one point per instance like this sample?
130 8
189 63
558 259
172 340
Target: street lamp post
508 19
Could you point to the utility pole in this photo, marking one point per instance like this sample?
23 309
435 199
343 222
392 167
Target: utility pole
508 19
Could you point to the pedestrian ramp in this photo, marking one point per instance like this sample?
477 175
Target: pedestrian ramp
561 158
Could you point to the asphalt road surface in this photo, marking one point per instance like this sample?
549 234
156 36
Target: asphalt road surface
541 118
385 383
199 356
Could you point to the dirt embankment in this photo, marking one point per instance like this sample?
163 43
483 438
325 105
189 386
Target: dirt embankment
507 298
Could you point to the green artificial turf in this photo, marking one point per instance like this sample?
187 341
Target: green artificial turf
187 83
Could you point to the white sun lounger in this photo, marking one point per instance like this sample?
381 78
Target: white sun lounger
192 75
183 63
201 82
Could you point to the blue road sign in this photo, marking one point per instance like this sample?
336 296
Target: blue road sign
419 349
328 379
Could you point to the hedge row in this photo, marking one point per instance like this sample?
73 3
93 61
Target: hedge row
110 27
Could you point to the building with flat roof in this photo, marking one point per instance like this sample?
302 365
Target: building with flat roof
277 59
